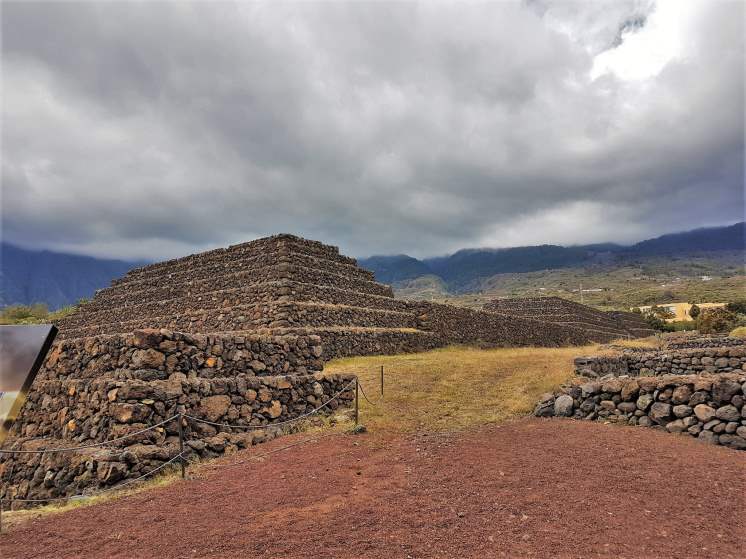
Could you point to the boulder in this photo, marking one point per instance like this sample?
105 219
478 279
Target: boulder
704 412
724 389
644 401
129 413
682 411
728 413
563 406
660 412
676 426
707 437
147 359
681 394
214 407
627 407
733 441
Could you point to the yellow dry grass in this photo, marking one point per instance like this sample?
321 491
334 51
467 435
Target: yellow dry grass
739 332
457 387
652 342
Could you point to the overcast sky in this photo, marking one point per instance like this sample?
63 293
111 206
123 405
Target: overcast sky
158 129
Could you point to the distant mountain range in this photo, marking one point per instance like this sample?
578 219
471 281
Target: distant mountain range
462 270
59 279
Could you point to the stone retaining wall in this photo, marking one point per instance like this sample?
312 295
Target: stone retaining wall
85 411
701 342
459 325
707 406
167 351
560 311
684 361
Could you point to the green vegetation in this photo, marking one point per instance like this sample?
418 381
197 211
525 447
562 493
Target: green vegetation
37 313
607 286
711 321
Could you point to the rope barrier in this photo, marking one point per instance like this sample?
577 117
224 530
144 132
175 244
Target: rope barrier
181 455
278 424
366 396
93 445
84 495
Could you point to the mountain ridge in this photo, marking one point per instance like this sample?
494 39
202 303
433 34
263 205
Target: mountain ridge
60 279
460 270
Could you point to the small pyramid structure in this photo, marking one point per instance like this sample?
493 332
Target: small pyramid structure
557 310
276 285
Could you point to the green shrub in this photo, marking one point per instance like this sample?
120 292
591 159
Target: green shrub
711 321
656 323
32 314
737 306
682 325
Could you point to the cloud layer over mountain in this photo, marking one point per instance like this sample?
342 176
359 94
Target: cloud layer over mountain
157 129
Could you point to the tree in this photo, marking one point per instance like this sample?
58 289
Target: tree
737 306
711 321
694 311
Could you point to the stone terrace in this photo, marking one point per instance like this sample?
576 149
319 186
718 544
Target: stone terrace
285 284
568 313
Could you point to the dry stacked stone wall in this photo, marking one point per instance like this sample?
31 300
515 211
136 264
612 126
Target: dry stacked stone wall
604 326
104 388
700 342
707 406
682 361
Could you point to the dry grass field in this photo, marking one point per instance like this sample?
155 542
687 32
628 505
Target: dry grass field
457 387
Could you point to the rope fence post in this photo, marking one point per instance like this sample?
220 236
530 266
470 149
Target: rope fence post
180 419
357 389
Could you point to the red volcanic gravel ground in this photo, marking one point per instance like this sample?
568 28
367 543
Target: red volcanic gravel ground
531 488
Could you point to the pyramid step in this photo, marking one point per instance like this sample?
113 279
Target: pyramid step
251 248
113 295
246 317
232 263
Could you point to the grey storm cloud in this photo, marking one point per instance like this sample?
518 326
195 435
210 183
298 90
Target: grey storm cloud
151 130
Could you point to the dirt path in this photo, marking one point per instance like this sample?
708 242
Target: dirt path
532 488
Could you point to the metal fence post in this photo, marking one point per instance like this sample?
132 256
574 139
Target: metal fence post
357 388
381 380
181 446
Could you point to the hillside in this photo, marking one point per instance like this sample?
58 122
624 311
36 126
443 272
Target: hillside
57 279
653 270
643 282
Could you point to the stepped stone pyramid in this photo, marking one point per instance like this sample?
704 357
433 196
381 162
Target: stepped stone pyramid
569 313
276 285
284 285
236 335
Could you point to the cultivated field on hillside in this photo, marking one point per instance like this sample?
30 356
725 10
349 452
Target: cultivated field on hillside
649 281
